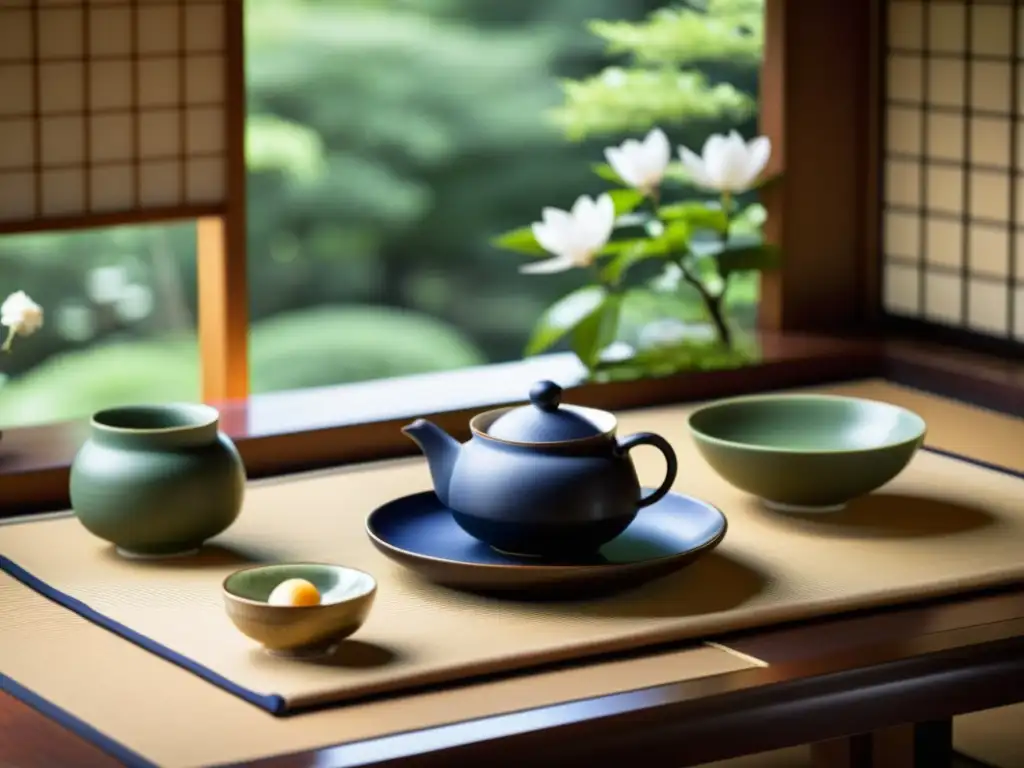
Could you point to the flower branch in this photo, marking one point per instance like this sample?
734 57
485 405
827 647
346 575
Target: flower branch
634 224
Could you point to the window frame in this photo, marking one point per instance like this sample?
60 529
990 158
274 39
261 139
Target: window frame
221 242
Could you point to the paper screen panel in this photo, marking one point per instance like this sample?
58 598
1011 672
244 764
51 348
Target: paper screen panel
954 149
111 107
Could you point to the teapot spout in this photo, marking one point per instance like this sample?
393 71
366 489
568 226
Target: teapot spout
441 450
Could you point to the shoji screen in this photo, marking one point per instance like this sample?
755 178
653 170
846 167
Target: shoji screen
954 146
112 108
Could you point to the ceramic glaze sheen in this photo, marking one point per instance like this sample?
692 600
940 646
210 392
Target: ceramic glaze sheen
803 452
157 480
553 485
562 503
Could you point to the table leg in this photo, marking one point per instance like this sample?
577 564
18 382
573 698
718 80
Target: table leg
848 752
922 745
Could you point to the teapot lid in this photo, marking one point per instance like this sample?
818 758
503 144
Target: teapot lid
546 420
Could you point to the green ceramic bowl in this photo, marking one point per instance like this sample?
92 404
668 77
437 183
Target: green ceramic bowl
804 453
346 596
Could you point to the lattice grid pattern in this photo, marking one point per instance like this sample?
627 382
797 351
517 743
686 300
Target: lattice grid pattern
953 242
110 106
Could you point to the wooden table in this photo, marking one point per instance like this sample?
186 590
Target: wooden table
868 690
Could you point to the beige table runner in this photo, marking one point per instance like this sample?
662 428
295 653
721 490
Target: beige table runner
151 713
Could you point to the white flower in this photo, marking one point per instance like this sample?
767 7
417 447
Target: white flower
727 163
574 237
22 315
641 164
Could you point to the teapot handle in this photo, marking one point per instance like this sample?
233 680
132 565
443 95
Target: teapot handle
671 465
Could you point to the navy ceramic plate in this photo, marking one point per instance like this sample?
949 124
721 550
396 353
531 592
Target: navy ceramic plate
420 533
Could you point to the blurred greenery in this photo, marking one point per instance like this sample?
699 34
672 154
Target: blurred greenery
688 63
388 141
353 344
348 344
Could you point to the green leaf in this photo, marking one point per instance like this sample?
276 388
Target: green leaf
597 330
654 228
744 289
626 254
625 200
563 316
690 34
696 215
673 238
687 355
632 220
705 248
759 258
606 172
755 214
521 241
748 221
676 236
615 247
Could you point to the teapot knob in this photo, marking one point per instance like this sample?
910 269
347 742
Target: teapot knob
546 395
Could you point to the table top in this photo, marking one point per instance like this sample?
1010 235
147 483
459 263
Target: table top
930 660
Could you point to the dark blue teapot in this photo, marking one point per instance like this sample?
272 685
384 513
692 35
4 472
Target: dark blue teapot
543 480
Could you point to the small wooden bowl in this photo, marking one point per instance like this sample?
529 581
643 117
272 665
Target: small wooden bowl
346 596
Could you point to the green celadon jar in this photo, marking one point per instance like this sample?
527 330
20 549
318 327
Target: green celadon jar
157 480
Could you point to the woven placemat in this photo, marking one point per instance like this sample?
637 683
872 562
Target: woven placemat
945 525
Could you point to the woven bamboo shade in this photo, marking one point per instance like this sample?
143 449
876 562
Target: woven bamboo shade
112 111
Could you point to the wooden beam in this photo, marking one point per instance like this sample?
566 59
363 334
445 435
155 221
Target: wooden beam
223 310
113 219
221 243
817 109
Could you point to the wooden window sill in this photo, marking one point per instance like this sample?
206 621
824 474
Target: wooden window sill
304 429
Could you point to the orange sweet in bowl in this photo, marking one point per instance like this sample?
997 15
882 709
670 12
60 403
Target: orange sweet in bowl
296 592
